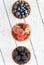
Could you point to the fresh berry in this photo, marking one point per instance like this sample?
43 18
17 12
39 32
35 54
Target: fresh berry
25 26
14 30
22 36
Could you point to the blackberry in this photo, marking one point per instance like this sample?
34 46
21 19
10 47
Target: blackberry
20 57
20 62
21 7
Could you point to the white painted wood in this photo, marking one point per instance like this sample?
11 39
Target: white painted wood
41 5
7 43
1 60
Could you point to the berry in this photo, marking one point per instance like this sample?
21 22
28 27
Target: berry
17 3
21 36
14 30
17 13
25 26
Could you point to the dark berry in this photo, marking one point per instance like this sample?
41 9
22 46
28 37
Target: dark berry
17 13
17 3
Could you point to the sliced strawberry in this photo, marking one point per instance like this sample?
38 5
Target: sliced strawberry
22 36
22 33
14 30
25 26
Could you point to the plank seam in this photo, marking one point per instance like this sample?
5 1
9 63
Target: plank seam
2 57
39 12
32 48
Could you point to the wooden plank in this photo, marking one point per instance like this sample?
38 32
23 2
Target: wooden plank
41 7
1 60
6 41
37 33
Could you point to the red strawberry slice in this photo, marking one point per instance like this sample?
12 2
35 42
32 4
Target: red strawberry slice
22 36
22 33
25 26
14 30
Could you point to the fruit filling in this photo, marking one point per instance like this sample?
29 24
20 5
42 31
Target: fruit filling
21 9
21 55
21 31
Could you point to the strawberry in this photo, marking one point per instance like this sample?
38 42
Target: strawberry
14 30
22 36
22 33
25 26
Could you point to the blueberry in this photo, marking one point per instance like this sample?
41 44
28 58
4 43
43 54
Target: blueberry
15 7
17 3
26 11
22 13
22 4
18 8
22 8
17 13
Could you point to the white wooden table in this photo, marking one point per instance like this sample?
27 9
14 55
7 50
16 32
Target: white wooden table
35 44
